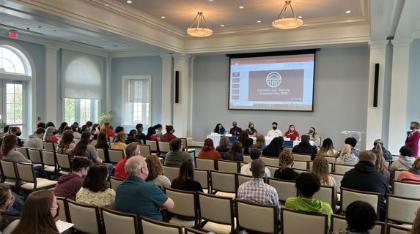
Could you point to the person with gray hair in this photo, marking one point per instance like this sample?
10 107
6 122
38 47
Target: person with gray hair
139 197
132 149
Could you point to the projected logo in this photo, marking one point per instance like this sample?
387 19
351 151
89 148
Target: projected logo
273 79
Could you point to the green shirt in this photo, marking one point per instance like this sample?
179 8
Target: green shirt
139 197
176 158
309 205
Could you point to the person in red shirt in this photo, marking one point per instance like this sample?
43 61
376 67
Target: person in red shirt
292 133
208 151
131 150
68 185
413 139
412 175
169 135
108 130
151 134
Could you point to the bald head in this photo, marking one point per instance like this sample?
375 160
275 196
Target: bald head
367 155
136 166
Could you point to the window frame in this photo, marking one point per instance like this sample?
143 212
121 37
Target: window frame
127 119
77 108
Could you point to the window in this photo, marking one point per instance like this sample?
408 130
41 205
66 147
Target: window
137 103
14 104
80 110
13 61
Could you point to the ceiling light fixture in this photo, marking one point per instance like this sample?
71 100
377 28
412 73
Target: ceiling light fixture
163 17
222 25
287 22
348 11
129 1
241 7
198 27
258 21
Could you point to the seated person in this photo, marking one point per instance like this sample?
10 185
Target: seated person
246 169
314 137
251 131
223 145
151 134
9 152
256 190
66 144
169 135
35 140
119 141
131 150
156 172
380 163
360 217
102 143
405 160
6 202
387 154
85 149
158 130
185 179
208 151
412 175
352 142
235 153
305 148
307 184
346 156
219 129
139 197
320 167
274 148
140 135
246 142
131 137
235 130
68 185
95 190
176 157
259 142
274 132
291 133
327 149
365 177
49 135
286 172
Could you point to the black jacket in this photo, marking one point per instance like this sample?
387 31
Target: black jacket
286 174
306 149
365 177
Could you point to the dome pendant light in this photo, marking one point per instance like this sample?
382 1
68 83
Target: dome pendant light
283 22
199 27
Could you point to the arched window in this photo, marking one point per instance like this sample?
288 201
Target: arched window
13 61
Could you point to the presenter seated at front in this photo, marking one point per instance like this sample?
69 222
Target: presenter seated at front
413 138
314 137
292 134
252 132
235 130
219 129
275 132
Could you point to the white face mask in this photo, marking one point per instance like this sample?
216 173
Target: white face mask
292 129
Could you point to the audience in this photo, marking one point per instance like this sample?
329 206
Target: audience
151 134
305 148
6 202
380 163
85 149
41 125
320 168
131 137
235 130
94 190
251 131
106 128
327 149
66 144
246 169
314 137
62 127
223 145
119 141
256 190
387 154
17 132
360 217
102 143
208 151
49 135
169 135
259 142
405 160
245 141
234 153
156 173
176 157
365 177
274 148
35 140
413 138
139 197
352 142
8 150
291 133
68 185
274 132
158 130
75 128
131 150
307 184
219 129
140 135
119 129
185 179
412 175
346 156
285 171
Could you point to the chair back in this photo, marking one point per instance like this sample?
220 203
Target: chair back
284 188
185 202
301 165
35 156
402 210
247 159
25 172
247 213
272 170
274 162
153 145
150 226
114 222
63 161
228 166
62 213
115 155
405 189
338 179
291 222
339 225
210 207
397 229
115 182
184 144
193 231
101 154
23 151
48 158
341 169
145 150
49 146
8 170
171 172
164 147
327 194
223 182
85 218
397 174
205 164
348 196
301 157
240 179
202 176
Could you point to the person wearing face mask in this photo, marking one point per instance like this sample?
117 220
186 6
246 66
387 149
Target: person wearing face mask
235 130
275 132
68 185
169 135
252 132
314 137
413 138
158 128
292 134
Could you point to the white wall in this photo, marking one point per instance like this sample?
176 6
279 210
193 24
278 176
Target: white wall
340 96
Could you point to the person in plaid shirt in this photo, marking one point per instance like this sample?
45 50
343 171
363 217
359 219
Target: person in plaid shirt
256 190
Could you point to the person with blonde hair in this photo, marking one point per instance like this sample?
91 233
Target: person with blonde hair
346 156
320 168
285 171
380 163
49 135
412 175
327 149
119 142
156 172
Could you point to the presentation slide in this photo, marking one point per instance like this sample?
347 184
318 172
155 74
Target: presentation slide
283 82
